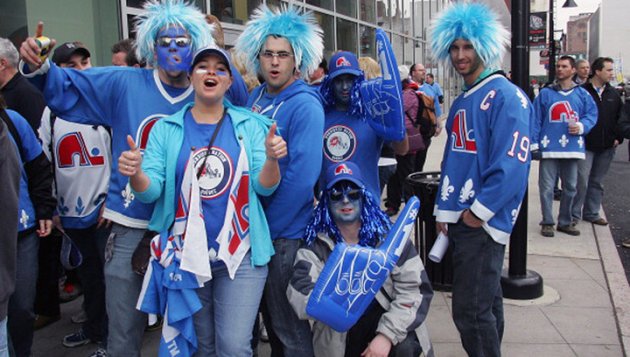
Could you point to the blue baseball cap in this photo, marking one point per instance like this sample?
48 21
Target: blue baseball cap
202 53
343 62
346 170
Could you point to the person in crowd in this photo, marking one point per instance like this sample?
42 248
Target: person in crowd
81 159
120 50
18 93
623 128
317 77
563 114
393 324
583 70
222 147
601 143
476 205
130 101
417 72
397 187
35 210
348 132
9 198
370 67
281 45
436 87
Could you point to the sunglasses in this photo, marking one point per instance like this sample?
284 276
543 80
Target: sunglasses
179 41
337 194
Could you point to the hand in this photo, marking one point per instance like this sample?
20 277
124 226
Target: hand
442 227
616 143
103 222
574 128
29 50
438 130
45 227
275 146
470 220
129 161
378 347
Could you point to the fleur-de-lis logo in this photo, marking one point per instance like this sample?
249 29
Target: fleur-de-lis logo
24 219
467 191
545 141
580 141
524 101
563 141
80 207
61 206
447 188
128 195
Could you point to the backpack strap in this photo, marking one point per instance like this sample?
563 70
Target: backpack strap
13 130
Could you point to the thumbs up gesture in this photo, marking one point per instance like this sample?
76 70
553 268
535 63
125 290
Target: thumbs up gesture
34 50
275 146
129 161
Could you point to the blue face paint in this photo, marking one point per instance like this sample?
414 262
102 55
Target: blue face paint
174 50
341 88
345 203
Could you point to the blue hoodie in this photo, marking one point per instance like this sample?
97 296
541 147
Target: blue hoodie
300 117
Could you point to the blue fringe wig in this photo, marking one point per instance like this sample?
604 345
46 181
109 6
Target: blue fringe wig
374 223
160 14
301 30
474 22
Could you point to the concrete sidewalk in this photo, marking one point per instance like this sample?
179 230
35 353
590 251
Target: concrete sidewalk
585 309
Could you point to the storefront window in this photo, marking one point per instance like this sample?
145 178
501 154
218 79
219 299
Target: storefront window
324 4
397 45
346 35
382 14
367 11
396 15
328 26
408 48
347 7
367 47
234 11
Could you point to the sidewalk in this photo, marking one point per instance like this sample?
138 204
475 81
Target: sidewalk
585 309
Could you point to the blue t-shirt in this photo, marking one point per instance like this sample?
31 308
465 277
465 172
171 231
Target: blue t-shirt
221 164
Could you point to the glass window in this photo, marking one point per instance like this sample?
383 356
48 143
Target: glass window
397 45
327 24
409 50
367 11
325 4
367 45
201 4
346 35
347 7
396 15
382 18
233 11
419 52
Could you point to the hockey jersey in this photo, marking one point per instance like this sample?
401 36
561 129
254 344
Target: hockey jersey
348 138
130 101
486 159
82 163
554 109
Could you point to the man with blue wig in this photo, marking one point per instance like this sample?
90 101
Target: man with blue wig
130 101
484 169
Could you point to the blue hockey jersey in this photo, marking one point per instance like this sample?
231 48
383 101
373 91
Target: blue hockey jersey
486 159
130 101
554 108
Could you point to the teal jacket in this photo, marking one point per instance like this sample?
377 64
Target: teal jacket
160 162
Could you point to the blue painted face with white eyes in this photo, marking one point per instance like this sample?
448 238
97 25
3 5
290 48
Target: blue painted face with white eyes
174 49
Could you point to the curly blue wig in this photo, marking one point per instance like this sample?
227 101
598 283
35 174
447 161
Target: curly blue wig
374 222
160 14
300 29
473 22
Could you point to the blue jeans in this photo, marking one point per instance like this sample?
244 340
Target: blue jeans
477 294
91 242
590 190
126 324
288 335
21 315
224 323
4 344
567 170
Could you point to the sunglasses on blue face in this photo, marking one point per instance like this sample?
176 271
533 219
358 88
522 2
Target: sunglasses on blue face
180 41
337 193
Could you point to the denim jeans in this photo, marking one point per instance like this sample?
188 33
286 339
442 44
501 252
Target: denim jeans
548 170
4 344
91 242
126 324
224 324
590 190
21 315
288 335
477 294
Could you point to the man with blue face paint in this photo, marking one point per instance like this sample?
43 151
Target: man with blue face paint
130 101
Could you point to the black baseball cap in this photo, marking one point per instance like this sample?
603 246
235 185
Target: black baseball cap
64 52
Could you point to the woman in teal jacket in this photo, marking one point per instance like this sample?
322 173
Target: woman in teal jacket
213 140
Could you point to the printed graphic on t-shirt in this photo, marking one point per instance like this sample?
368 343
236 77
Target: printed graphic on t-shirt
217 174
340 143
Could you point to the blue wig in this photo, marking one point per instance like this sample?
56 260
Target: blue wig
374 222
300 29
356 102
162 14
473 22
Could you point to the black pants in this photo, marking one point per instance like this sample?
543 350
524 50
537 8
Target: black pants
47 298
421 156
397 187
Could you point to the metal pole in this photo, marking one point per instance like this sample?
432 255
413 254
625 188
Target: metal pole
552 43
518 282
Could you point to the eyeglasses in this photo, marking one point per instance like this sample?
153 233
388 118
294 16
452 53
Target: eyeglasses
179 41
336 195
269 55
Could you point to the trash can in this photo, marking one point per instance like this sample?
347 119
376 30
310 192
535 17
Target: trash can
425 187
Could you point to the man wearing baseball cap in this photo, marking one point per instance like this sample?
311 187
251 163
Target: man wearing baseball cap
72 55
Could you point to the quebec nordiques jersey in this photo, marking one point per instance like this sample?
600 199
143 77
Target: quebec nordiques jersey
31 148
348 138
553 109
486 158
130 101
82 163
215 183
